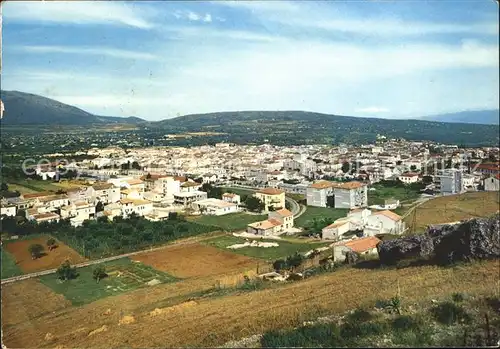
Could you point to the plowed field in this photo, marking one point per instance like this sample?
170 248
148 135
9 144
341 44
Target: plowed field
50 260
192 260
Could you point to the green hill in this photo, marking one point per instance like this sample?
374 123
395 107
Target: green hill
30 109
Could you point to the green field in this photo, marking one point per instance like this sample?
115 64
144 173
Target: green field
84 289
284 249
30 186
230 222
238 191
319 213
382 193
9 266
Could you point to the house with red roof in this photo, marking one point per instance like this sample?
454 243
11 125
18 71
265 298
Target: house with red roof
278 222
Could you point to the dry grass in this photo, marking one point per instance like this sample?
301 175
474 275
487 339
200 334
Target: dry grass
213 321
52 259
27 300
454 208
194 260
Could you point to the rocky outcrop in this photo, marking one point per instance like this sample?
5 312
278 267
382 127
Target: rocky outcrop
351 257
474 239
392 251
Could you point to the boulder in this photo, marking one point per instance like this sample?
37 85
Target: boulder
351 257
472 240
449 243
392 251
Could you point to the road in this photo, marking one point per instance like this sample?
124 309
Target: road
102 260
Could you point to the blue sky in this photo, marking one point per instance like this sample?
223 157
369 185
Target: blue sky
157 60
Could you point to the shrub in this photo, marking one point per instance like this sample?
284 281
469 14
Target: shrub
359 315
405 323
457 297
449 313
382 304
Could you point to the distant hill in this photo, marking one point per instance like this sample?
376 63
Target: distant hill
30 109
302 127
486 117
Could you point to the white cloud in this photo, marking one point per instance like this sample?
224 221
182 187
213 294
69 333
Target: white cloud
207 18
73 12
314 15
372 110
193 16
98 51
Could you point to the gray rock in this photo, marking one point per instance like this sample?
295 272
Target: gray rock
351 257
473 239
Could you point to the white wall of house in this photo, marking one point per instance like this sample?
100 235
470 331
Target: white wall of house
491 184
8 211
385 225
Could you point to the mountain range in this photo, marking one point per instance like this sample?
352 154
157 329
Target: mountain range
485 117
30 109
277 127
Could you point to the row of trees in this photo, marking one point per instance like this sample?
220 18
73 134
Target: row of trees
290 263
102 238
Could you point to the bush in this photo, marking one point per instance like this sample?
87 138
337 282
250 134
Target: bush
360 315
449 313
351 330
457 297
405 323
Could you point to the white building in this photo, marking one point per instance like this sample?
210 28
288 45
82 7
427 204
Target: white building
231 197
363 246
342 195
139 207
9 211
384 222
409 177
187 198
449 181
214 207
492 183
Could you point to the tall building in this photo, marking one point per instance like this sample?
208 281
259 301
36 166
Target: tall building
449 181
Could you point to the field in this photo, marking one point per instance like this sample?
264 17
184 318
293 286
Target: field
212 321
195 260
9 266
18 307
25 186
382 193
453 208
319 213
285 248
123 275
19 252
230 222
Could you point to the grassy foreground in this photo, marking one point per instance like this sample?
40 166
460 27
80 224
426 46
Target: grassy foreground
214 321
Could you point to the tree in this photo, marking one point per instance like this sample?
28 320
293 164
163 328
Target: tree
254 204
345 167
99 273
413 168
148 176
279 265
66 272
294 261
427 180
35 250
5 187
51 243
99 207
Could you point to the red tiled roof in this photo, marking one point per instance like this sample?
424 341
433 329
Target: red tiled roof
363 244
270 191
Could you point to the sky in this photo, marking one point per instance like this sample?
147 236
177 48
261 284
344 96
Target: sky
157 60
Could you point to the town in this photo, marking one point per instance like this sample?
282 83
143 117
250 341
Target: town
153 182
